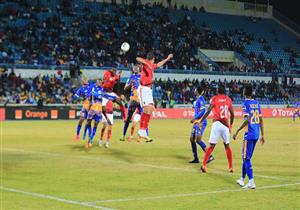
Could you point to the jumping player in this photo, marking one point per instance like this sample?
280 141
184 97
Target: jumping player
135 120
83 92
110 78
133 82
145 90
297 110
95 112
110 117
198 129
254 122
221 105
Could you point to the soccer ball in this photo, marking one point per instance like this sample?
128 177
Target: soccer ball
125 47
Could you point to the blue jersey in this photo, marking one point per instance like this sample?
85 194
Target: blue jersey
98 93
134 81
84 91
251 109
297 105
200 109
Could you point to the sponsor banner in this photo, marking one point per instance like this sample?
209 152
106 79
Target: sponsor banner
65 113
238 113
2 114
33 113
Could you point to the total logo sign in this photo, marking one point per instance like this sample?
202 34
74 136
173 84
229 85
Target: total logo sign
188 113
282 113
160 114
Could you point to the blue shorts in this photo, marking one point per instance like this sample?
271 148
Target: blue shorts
83 113
198 129
97 118
93 115
248 148
133 105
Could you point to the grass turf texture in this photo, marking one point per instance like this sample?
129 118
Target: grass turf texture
39 157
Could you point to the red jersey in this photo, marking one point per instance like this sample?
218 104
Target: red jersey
222 103
109 81
109 107
147 73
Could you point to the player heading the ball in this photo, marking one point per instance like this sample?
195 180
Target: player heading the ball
145 90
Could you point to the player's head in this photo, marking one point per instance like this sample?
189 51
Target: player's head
221 89
136 69
150 56
84 81
113 71
99 82
199 91
247 91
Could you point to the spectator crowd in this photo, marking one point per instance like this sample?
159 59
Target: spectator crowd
58 89
73 32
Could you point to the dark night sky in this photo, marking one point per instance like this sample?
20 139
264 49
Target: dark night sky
289 8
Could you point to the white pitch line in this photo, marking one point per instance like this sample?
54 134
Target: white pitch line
50 197
147 165
189 194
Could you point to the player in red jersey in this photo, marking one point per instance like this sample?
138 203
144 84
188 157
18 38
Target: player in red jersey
145 90
110 78
221 105
110 116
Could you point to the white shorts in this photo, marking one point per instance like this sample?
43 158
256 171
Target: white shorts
217 130
110 117
136 118
145 95
105 100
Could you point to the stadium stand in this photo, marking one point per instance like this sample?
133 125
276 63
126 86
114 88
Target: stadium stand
51 89
59 32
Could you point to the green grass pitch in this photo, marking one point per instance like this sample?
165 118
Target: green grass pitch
42 169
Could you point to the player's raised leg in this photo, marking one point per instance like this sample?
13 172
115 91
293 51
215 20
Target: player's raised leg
200 142
102 134
207 155
131 110
79 125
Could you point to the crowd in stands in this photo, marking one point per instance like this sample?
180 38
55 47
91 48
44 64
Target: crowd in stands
58 89
170 92
39 90
73 34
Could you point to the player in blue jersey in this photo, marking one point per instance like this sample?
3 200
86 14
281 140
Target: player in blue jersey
254 123
133 82
95 112
198 128
297 110
84 93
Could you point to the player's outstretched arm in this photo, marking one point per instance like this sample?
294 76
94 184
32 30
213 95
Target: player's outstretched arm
205 115
262 138
161 63
244 124
142 61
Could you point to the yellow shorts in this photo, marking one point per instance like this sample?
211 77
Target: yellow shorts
86 104
97 107
135 96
